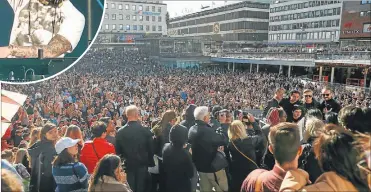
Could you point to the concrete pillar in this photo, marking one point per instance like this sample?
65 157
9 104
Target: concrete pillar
349 72
332 74
257 68
250 67
229 66
320 73
233 66
281 70
289 71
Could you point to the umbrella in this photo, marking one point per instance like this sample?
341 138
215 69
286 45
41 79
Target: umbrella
10 103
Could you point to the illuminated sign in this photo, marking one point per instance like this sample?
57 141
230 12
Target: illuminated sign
216 28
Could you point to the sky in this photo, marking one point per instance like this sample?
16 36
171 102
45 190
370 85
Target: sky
179 8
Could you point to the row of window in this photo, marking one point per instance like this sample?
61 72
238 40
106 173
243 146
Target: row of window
365 13
302 5
133 17
306 25
133 7
304 15
132 28
305 36
222 17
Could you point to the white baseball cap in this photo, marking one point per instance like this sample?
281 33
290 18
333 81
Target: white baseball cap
65 143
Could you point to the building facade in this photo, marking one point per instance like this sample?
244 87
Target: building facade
127 20
356 20
243 22
303 22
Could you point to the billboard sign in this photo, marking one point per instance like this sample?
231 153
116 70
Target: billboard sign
367 28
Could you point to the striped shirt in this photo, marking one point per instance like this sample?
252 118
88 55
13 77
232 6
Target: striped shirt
72 177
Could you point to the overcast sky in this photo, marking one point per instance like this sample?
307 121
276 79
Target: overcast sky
179 8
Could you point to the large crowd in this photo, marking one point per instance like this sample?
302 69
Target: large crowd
120 121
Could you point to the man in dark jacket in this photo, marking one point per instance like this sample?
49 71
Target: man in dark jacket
205 143
288 104
215 124
134 145
329 104
189 119
278 95
309 101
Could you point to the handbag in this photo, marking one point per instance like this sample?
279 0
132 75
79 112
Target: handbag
245 156
219 162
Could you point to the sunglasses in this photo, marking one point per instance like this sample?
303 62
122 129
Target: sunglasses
325 95
308 96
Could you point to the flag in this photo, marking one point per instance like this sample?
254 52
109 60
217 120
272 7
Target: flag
10 103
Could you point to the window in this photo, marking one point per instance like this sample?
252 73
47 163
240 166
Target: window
121 17
134 17
120 6
135 27
153 8
147 18
147 27
159 28
153 18
153 27
133 7
159 19
113 5
147 8
107 27
140 27
121 27
113 16
140 7
127 7
127 17
106 16
113 27
140 17
106 5
159 9
127 27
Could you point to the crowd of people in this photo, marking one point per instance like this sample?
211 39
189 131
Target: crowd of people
120 121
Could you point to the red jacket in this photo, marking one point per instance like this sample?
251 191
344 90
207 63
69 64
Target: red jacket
89 158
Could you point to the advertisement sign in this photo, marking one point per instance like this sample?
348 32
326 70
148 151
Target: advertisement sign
150 13
367 28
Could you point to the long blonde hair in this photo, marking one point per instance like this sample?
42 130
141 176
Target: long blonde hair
35 136
19 156
237 130
313 127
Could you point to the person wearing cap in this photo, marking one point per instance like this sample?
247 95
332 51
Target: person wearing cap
65 167
95 149
42 154
177 161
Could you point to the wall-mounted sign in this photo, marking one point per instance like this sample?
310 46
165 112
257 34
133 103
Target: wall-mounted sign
356 31
216 28
150 13
244 31
367 28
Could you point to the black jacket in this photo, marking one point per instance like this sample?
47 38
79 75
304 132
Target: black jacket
331 105
308 161
205 142
178 167
215 124
240 166
314 105
134 145
160 140
271 103
288 107
42 154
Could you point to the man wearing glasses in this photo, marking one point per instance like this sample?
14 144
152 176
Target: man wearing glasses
309 101
329 104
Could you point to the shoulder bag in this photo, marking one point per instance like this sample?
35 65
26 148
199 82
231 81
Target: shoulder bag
219 162
245 155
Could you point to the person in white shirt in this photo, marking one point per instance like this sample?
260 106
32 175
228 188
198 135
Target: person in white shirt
55 26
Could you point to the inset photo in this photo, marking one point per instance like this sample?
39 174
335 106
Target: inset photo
41 38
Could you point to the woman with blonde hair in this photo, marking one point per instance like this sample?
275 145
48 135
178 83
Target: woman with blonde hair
35 132
74 132
242 151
